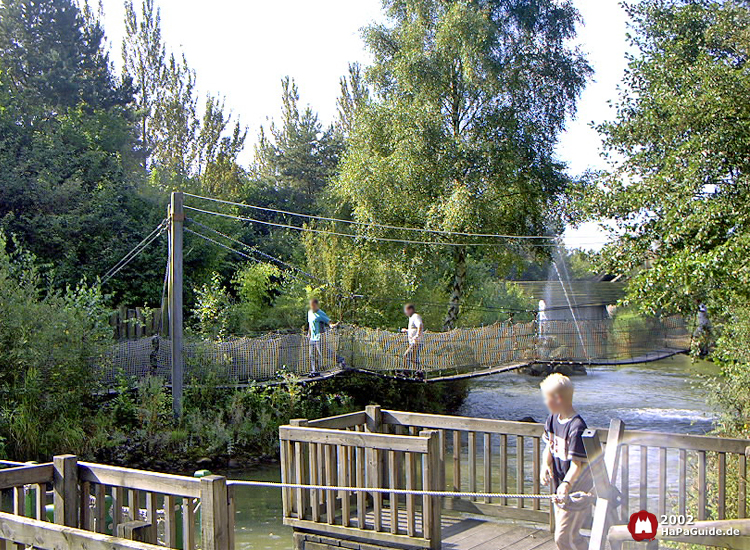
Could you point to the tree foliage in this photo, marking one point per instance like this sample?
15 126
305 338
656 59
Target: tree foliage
296 157
679 195
174 137
469 98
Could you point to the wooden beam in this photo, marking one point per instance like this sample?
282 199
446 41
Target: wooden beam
385 442
42 534
26 475
65 484
141 480
214 513
603 470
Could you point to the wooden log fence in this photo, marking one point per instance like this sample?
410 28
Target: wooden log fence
134 323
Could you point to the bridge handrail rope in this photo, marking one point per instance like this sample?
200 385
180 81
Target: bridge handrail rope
267 256
373 224
230 249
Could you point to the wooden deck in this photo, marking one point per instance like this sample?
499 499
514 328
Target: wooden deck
475 534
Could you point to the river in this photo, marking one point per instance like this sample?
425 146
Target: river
659 396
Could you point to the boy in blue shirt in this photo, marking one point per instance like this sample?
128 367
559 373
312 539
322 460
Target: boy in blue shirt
318 322
565 464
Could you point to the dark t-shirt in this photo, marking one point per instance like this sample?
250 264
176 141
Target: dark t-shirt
565 443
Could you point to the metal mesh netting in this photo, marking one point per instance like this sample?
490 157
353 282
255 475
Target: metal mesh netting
460 350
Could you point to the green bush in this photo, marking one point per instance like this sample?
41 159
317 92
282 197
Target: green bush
48 339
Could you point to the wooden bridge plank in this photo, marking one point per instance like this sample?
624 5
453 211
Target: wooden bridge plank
501 540
472 529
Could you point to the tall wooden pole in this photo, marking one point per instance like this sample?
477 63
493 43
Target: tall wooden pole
176 221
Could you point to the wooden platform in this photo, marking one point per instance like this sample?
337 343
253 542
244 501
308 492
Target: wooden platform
475 534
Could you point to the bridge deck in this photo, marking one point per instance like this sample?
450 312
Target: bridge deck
475 534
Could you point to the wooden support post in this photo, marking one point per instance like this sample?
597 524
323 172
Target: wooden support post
432 506
66 490
604 472
373 424
176 221
374 420
300 467
214 513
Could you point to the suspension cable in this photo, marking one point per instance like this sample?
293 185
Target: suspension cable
374 224
340 234
260 252
230 249
135 251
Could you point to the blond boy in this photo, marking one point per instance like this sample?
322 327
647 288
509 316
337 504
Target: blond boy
564 462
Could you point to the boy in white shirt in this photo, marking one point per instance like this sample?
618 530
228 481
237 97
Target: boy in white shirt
414 333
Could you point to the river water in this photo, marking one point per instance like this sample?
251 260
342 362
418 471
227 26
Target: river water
659 396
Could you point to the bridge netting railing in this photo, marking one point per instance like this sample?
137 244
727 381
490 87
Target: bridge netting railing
462 350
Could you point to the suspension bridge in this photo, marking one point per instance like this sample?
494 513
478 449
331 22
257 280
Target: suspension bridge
450 355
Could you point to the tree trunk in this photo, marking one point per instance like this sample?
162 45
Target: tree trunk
457 291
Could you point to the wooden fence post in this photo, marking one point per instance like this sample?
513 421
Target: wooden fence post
432 505
214 513
300 468
373 423
604 472
374 418
66 490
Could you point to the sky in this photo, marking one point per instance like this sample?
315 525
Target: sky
242 49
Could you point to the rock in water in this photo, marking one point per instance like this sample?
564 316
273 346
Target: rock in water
204 463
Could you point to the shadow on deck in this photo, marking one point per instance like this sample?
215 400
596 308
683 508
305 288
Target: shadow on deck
475 534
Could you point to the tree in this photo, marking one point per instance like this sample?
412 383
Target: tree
679 196
296 157
469 98
52 57
354 95
144 59
175 138
68 189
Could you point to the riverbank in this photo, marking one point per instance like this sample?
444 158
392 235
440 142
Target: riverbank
238 428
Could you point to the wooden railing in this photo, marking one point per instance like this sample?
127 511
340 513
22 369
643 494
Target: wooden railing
683 474
26 532
702 476
487 456
345 451
107 500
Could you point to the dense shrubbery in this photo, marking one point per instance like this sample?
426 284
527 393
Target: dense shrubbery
137 427
47 340
50 402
